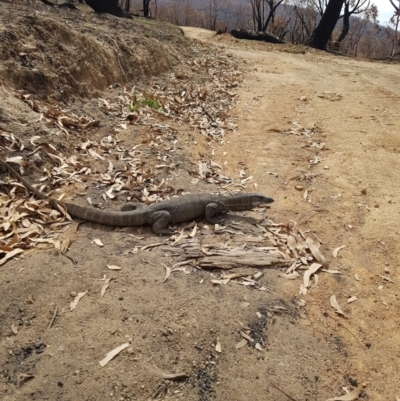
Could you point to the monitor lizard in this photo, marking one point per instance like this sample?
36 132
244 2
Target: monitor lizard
158 215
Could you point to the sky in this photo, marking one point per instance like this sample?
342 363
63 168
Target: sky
385 9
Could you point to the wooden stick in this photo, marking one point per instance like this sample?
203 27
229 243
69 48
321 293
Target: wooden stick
53 318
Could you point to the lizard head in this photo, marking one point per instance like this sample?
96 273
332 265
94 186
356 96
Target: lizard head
257 199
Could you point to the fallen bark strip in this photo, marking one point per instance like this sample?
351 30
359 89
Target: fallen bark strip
244 259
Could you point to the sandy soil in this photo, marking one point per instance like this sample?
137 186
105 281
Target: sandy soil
294 106
355 105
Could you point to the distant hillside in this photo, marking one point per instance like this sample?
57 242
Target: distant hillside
294 26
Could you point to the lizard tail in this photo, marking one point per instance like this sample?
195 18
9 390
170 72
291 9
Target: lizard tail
36 192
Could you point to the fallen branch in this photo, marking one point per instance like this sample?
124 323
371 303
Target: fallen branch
66 5
276 387
53 318
230 260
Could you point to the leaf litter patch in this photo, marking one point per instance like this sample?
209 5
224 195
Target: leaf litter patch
204 105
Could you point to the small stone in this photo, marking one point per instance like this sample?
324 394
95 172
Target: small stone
376 205
37 159
364 191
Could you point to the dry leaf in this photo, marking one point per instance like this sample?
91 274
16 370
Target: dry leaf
289 276
143 248
218 346
175 376
112 354
98 242
221 282
14 329
352 299
331 271
74 303
246 336
386 278
179 237
336 251
193 233
65 245
167 273
113 267
307 275
23 378
10 255
292 244
258 275
241 344
348 397
335 305
105 286
316 252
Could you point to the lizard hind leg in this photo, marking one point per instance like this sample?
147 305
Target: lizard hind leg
160 222
132 206
211 212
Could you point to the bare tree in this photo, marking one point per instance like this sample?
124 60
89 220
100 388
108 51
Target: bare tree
323 31
242 15
146 8
264 12
351 7
363 38
395 19
320 6
212 14
302 20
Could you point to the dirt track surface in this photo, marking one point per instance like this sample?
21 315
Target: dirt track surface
355 104
318 133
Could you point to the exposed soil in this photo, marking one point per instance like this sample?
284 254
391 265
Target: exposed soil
349 110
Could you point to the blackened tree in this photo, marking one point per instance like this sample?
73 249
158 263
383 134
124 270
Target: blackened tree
350 8
109 7
322 33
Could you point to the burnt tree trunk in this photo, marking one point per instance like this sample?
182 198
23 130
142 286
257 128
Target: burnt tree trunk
323 31
345 29
146 8
108 7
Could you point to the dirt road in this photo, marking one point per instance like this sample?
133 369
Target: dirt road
316 132
349 165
